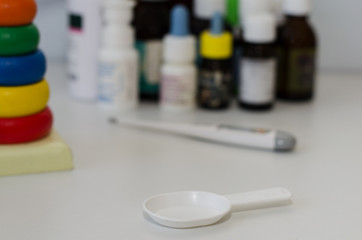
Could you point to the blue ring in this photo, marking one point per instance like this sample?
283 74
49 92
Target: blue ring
22 70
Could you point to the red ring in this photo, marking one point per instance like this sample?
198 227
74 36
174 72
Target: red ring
26 129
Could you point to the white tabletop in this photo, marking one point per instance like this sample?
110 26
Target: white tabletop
116 169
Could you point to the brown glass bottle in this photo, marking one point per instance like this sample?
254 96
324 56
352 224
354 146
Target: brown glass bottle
297 59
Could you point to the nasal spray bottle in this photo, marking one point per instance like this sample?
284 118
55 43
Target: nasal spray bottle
178 73
84 31
118 59
215 77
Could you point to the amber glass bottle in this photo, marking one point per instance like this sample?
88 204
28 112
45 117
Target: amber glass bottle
297 60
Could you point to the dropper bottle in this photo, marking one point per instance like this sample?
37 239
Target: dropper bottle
178 73
215 77
118 59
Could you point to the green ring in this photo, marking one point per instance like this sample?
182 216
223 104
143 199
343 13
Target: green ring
18 40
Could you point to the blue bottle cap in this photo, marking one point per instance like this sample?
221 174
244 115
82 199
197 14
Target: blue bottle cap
217 24
180 21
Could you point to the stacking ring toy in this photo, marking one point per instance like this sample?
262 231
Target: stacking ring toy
22 70
18 40
25 129
17 12
24 100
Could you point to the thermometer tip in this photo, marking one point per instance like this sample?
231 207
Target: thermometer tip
284 142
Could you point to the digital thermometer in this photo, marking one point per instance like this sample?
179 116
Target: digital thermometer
231 135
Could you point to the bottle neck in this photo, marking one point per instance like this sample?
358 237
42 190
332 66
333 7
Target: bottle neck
216 64
296 18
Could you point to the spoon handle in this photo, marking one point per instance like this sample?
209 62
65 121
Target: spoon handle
259 199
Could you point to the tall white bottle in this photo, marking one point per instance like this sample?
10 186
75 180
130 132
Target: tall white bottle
178 73
118 59
84 31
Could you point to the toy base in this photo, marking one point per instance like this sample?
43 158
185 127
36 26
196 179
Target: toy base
46 155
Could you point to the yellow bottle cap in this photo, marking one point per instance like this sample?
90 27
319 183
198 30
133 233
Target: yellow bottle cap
216 46
216 43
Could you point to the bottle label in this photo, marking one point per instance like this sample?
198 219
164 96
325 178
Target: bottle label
75 22
118 85
257 83
214 88
301 65
74 44
150 65
178 89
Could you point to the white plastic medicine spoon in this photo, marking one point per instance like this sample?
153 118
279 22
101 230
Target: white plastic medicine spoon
196 209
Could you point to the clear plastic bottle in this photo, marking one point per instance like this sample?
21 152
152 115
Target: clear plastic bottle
118 59
179 74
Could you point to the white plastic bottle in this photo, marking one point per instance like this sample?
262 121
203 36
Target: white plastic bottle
178 73
118 60
83 32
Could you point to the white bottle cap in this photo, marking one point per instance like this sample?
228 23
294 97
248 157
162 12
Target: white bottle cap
260 29
205 9
255 7
297 7
118 11
179 49
118 36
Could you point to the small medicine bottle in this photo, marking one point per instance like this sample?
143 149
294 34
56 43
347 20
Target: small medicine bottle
151 22
215 73
118 59
258 63
179 73
297 70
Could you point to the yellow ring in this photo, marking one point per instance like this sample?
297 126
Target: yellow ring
23 100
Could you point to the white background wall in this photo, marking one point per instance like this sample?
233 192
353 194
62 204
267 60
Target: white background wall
338 24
